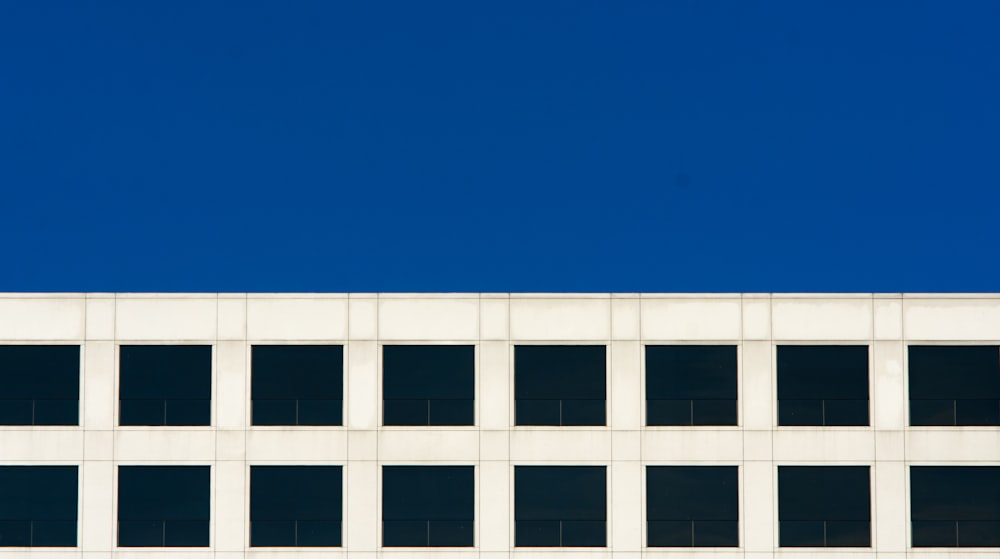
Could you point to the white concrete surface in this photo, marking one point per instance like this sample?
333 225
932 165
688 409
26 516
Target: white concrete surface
494 323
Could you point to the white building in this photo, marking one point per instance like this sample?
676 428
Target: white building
887 445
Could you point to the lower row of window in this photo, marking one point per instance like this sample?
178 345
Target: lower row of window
554 506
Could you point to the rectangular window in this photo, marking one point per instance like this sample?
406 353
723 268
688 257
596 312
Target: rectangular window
692 506
955 506
560 506
822 385
39 385
38 506
163 506
297 384
824 506
560 385
690 385
954 385
428 384
295 506
165 385
428 506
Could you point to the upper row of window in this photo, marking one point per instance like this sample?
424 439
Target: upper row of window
823 385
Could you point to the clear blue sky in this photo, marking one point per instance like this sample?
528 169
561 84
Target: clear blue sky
500 146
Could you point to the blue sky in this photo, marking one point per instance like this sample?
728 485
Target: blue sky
505 146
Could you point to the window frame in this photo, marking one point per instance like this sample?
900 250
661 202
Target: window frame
776 404
607 503
909 505
907 344
343 381
213 373
77 511
870 465
512 386
249 518
644 409
79 380
116 502
646 466
381 496
475 380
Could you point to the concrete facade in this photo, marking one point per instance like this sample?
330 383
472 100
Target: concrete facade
494 323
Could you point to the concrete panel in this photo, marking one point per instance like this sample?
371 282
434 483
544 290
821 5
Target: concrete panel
682 319
362 445
42 319
97 521
890 445
625 506
625 319
669 444
823 444
98 445
232 388
363 324
560 444
100 318
757 385
408 444
166 319
756 319
889 506
230 445
27 444
758 445
951 319
890 389
232 317
297 319
231 506
888 319
759 493
626 445
362 516
953 444
494 317
428 319
626 385
97 393
159 444
560 319
361 389
296 444
494 445
822 319
495 384
495 518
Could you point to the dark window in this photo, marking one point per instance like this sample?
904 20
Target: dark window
38 506
163 506
428 385
955 506
39 385
559 385
822 385
166 385
690 385
297 384
692 506
824 506
428 506
954 385
295 506
560 506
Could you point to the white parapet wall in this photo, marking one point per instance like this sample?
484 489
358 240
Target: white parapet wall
494 323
